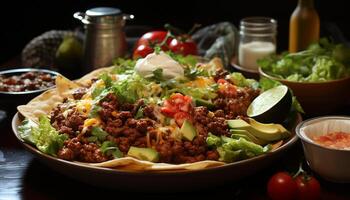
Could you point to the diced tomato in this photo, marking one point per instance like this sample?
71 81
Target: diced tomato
178 106
227 88
167 111
180 117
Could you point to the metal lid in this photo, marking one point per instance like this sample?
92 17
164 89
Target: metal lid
101 16
103 11
258 26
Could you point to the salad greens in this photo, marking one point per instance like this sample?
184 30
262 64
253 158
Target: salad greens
231 149
322 61
44 136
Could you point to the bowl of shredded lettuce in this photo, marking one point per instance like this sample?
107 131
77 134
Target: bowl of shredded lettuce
319 76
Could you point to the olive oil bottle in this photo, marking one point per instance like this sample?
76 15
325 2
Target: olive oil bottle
304 27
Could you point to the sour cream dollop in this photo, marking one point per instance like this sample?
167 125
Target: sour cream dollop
146 66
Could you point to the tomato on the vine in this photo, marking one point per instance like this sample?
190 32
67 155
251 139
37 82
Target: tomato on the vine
145 45
282 186
183 45
154 37
308 188
173 40
299 186
142 51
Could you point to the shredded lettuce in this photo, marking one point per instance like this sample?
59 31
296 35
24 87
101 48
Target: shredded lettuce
131 89
123 66
44 136
239 80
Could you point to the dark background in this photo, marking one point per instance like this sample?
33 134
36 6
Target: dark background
23 20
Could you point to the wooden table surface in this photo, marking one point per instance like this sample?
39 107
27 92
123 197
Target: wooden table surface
22 176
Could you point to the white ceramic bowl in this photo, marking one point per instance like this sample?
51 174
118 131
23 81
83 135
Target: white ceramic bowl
331 164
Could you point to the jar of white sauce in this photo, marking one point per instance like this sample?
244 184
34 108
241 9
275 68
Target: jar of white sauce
257 40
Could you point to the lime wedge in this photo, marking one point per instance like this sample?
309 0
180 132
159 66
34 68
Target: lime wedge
273 105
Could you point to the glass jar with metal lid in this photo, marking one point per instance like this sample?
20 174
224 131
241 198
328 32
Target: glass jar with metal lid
257 40
104 35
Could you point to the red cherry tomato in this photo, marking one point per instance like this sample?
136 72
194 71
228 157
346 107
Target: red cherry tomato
184 46
153 37
308 188
145 45
281 186
142 51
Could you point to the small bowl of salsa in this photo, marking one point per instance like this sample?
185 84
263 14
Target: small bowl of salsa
326 144
18 86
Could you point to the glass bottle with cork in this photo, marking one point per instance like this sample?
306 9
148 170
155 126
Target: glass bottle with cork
304 27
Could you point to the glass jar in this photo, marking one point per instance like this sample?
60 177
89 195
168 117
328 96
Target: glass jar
257 40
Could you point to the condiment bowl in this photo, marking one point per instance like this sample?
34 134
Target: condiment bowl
10 100
330 163
318 98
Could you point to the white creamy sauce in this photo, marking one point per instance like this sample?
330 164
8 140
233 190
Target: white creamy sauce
250 52
146 66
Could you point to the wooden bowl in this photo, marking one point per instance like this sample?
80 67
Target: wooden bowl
318 98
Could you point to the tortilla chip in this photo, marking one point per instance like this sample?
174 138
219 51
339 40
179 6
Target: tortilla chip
86 80
45 102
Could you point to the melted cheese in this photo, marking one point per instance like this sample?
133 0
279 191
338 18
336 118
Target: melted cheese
200 82
92 122
84 106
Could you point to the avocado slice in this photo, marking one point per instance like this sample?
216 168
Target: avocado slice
267 132
273 105
147 154
247 135
188 131
205 103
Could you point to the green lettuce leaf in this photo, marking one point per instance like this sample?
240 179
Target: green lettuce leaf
46 138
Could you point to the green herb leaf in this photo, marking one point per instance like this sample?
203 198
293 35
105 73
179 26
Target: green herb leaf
110 148
123 66
99 133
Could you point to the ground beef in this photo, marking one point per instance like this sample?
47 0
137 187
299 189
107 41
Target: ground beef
213 155
66 154
75 120
173 151
70 124
236 105
76 149
148 111
108 105
205 122
79 93
127 107
220 74
200 115
137 105
91 153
